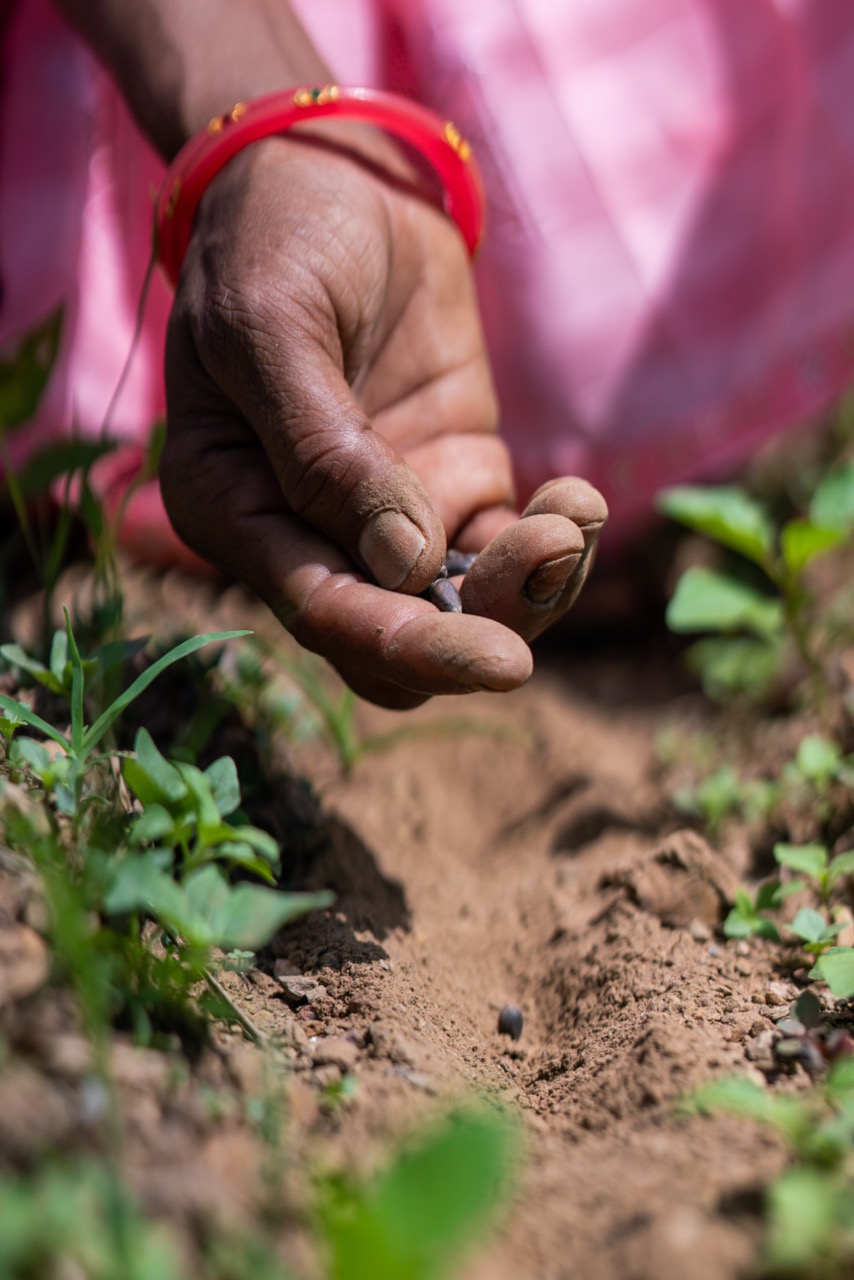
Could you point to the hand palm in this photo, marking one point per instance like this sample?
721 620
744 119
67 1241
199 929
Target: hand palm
312 358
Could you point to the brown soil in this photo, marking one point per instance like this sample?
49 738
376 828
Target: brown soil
529 856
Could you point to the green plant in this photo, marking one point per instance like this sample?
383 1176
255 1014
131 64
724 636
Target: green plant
749 915
810 1206
414 1219
724 792
164 860
757 620
79 1219
813 861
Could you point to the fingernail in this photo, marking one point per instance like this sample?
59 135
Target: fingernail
391 545
546 583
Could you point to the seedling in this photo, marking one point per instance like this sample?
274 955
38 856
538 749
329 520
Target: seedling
749 915
814 862
810 1206
816 934
723 793
756 621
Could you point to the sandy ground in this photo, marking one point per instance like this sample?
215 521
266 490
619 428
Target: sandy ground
530 855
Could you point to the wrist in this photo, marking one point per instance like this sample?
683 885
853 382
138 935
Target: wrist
177 72
437 141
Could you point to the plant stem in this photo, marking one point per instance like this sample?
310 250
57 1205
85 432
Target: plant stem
239 1016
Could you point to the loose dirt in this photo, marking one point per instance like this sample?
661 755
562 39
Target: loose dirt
514 849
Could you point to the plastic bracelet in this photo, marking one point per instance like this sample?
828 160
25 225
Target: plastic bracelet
202 158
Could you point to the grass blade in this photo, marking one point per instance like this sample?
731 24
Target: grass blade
94 734
77 680
24 713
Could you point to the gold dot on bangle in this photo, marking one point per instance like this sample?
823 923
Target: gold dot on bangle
456 141
317 96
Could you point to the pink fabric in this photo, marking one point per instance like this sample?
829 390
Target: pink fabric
668 274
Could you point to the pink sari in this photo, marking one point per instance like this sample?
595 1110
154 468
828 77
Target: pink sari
668 274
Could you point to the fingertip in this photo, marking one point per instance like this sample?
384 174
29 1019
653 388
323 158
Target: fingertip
574 499
523 571
455 653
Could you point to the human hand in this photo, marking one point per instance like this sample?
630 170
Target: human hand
332 427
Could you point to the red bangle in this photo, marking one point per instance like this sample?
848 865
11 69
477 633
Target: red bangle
201 159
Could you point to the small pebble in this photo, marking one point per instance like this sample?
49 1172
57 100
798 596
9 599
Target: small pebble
300 990
510 1021
699 931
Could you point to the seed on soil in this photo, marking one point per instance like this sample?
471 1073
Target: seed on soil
510 1021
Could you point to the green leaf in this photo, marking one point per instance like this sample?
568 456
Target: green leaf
236 853
224 784
836 968
801 541
245 917
58 660
107 719
817 759
418 1215
804 1211
254 914
740 1096
21 711
61 458
841 865
211 828
742 926
155 824
138 883
24 374
18 657
261 841
736 666
35 754
808 859
812 926
150 776
832 504
726 513
77 681
771 895
840 1080
705 600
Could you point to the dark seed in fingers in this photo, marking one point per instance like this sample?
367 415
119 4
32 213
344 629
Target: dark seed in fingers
444 595
459 562
510 1021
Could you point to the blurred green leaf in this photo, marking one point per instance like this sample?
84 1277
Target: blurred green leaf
24 373
727 514
414 1220
808 859
836 968
832 504
705 600
801 541
224 784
